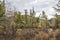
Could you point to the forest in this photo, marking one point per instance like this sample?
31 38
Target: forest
15 26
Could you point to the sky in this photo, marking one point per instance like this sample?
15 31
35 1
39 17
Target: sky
39 5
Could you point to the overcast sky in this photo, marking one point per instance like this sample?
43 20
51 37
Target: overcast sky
37 4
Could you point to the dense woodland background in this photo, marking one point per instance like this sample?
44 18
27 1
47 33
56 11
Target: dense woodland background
14 26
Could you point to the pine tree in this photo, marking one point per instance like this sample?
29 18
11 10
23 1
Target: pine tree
57 9
26 16
17 19
44 20
32 16
33 12
57 21
2 8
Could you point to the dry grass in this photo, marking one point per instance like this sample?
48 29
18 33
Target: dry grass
36 34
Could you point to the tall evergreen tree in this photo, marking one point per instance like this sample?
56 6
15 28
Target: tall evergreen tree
33 12
26 16
44 20
30 17
2 8
57 21
57 9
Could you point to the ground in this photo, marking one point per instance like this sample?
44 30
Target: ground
33 34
